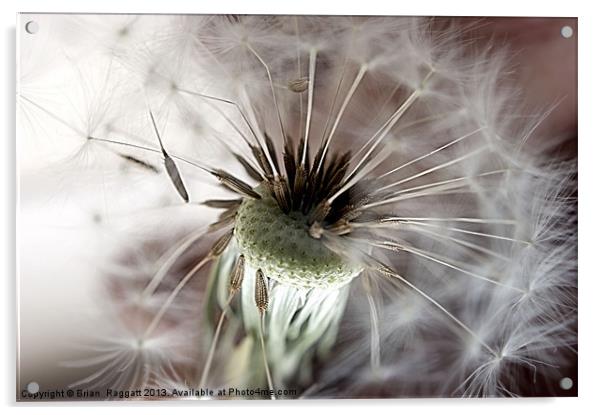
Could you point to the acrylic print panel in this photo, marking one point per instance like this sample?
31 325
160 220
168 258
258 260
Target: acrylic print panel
285 207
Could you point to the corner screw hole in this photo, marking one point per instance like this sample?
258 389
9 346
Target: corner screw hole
566 32
33 387
32 27
566 383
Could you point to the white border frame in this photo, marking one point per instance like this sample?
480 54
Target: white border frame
590 148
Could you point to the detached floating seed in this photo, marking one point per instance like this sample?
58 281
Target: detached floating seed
298 85
170 165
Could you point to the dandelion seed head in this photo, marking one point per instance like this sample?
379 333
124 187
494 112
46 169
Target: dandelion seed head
388 148
280 244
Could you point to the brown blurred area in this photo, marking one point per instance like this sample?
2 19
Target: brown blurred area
545 66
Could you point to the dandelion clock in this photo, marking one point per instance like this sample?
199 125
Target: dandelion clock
218 207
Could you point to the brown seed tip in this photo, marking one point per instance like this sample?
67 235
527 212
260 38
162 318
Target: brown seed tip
220 245
315 230
237 274
261 292
298 85
235 184
320 212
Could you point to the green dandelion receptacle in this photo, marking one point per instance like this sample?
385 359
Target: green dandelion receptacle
280 245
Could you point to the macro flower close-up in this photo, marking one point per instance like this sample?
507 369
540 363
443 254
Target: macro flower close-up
296 207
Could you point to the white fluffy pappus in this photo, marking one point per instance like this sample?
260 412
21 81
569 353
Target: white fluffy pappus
385 227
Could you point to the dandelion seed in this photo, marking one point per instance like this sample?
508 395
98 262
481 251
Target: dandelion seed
298 85
261 300
140 163
170 165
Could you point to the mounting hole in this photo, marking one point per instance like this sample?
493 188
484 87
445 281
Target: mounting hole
32 27
566 383
566 32
33 387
